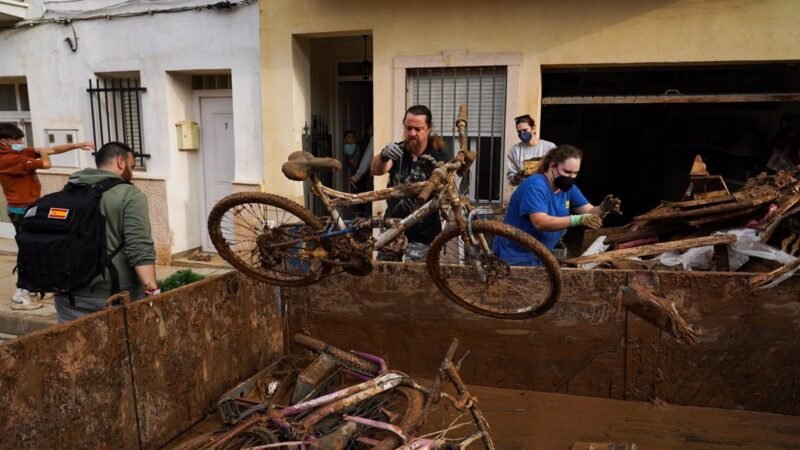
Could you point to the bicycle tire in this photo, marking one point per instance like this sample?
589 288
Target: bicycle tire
256 435
250 437
345 359
257 267
198 442
473 284
410 416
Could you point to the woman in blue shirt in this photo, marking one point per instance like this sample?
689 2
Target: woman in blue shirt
548 203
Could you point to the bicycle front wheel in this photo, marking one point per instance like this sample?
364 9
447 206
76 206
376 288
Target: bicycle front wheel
268 237
469 273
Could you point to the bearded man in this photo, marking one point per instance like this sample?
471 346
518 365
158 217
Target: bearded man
404 163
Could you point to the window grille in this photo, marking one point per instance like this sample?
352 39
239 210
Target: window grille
116 107
483 90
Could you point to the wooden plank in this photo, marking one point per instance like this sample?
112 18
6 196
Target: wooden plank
721 258
711 219
727 207
660 99
654 249
784 211
695 203
643 233
764 279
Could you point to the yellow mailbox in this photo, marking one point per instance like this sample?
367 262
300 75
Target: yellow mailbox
188 135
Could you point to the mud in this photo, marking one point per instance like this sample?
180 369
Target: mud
187 350
136 375
587 344
524 420
65 386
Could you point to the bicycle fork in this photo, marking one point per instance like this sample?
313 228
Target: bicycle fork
476 242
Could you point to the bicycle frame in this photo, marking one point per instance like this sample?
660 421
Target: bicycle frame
340 400
333 199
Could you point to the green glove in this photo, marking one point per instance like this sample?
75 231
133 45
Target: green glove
586 220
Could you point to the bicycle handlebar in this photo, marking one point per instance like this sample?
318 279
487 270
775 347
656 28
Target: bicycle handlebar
460 164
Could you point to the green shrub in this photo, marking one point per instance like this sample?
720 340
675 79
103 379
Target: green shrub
178 279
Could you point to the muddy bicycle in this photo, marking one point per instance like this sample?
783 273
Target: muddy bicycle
278 241
384 410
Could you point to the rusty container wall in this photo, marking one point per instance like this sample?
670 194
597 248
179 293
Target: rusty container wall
68 386
189 348
137 376
586 345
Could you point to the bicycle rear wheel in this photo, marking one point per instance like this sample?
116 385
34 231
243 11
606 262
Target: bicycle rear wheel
267 237
481 282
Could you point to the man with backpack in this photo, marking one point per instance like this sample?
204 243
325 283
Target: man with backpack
18 166
127 233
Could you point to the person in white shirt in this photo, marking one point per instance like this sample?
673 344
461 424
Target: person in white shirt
524 157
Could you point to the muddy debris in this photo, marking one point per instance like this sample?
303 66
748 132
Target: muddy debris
326 398
755 229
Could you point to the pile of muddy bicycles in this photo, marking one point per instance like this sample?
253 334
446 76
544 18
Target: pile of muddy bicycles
278 241
326 398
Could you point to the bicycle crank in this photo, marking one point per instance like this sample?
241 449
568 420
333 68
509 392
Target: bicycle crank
353 263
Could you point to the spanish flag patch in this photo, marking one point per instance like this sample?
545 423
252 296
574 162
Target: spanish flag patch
58 213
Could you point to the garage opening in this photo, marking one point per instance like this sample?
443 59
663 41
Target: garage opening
640 127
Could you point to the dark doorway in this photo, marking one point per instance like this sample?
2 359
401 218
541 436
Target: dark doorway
354 102
640 128
341 100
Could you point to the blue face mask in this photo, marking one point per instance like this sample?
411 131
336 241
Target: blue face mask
350 149
18 147
525 136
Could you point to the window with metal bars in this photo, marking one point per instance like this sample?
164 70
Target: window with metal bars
116 107
483 90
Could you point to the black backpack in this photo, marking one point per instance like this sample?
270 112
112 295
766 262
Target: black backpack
62 240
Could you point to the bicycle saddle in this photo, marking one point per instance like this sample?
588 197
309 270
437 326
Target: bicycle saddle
302 165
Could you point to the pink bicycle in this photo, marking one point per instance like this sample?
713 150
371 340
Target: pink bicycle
385 411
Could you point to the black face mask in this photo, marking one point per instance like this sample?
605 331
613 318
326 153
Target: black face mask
563 183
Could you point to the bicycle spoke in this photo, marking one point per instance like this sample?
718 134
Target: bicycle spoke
484 283
267 237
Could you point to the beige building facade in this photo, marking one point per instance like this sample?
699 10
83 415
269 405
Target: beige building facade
522 37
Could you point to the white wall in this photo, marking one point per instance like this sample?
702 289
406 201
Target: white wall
153 45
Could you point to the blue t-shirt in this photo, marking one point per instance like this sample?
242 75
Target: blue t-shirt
535 196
